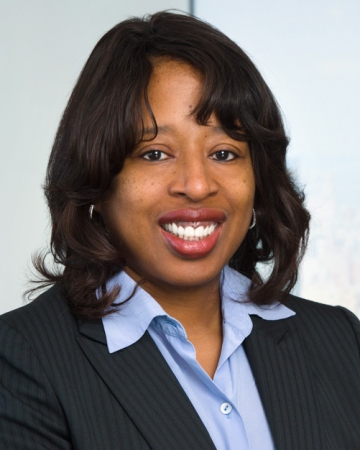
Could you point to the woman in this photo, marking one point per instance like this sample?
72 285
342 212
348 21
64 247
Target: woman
166 185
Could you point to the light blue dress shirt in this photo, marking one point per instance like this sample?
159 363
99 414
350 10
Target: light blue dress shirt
229 404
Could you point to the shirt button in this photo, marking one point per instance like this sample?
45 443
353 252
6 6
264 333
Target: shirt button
226 408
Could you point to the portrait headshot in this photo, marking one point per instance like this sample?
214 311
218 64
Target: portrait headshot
177 296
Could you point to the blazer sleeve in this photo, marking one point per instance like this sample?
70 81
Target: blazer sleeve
30 414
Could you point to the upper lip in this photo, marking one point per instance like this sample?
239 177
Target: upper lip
193 215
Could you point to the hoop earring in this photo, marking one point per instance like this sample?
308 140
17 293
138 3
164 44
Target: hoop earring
91 210
253 223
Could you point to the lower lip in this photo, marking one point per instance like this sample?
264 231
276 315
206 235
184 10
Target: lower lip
192 249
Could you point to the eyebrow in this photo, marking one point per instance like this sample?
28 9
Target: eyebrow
153 130
217 129
167 128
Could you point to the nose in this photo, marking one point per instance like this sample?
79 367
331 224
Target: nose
194 178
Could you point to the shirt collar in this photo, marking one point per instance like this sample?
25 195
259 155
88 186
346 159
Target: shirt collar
234 289
129 323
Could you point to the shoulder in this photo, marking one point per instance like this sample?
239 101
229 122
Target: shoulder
47 318
38 342
51 301
37 359
326 324
308 310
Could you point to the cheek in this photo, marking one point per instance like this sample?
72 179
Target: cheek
129 204
127 191
243 192
249 185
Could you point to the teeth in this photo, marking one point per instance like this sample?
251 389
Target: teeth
190 233
199 232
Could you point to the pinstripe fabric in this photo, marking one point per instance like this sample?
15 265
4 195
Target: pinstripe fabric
52 398
61 389
307 370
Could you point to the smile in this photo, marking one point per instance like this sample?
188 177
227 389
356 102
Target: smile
190 232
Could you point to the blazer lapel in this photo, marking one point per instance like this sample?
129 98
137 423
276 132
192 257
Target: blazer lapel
277 357
145 386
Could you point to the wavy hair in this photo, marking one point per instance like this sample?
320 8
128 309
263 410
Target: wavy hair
100 128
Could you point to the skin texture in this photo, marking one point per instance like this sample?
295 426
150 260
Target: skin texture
181 168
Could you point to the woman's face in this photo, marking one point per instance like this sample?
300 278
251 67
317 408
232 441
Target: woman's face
182 203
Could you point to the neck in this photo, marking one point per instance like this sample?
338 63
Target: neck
195 307
198 309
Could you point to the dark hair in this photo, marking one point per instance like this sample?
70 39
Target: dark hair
100 128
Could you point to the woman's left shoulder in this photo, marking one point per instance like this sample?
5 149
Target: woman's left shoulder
319 318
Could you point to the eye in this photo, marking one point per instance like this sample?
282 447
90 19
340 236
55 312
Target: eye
155 155
223 155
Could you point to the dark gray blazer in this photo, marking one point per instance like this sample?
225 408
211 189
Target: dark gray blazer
60 388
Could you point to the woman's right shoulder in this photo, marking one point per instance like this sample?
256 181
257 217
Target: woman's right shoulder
41 318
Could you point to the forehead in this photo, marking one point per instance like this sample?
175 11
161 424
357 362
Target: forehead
177 88
174 90
169 63
173 93
174 79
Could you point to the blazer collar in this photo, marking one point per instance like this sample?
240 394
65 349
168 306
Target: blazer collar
145 386
277 357
93 330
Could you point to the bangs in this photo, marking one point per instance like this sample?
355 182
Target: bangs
236 93
226 93
233 89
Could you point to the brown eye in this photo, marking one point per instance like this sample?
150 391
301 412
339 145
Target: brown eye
223 155
155 155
